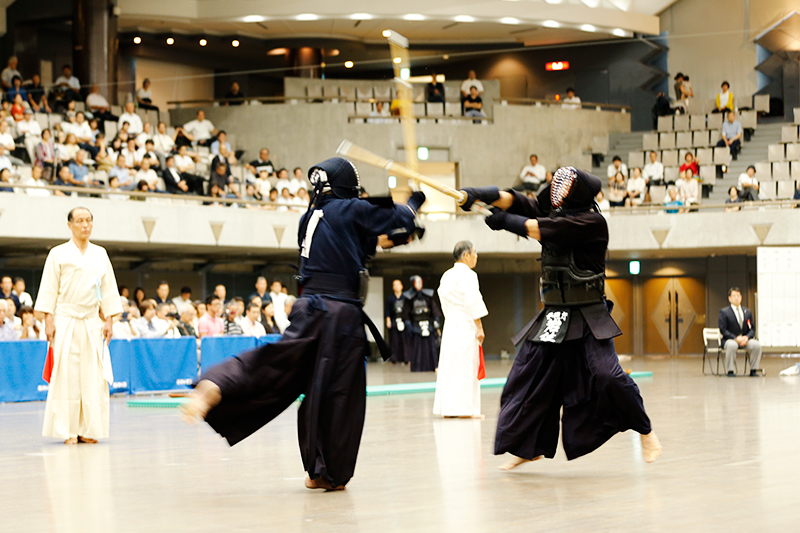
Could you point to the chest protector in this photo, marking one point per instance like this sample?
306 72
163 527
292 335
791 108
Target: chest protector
563 283
421 315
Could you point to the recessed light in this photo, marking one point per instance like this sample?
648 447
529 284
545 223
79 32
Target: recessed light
509 20
464 18
137 40
361 16
277 52
386 33
334 52
551 24
254 18
348 64
307 16
619 32
588 27
323 65
398 60
553 1
446 56
405 73
235 43
203 42
170 41
413 16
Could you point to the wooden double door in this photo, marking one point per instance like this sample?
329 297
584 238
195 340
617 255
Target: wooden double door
674 315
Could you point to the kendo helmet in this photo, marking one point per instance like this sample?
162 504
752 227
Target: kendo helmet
336 175
573 189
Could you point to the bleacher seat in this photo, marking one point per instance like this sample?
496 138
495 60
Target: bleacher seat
704 156
697 122
435 109
635 159
600 142
700 138
796 115
789 134
418 109
761 103
348 93
330 91
666 140
781 170
749 119
383 92
722 156
786 189
142 113
364 93
152 117
24 172
80 106
453 109
683 139
665 123
795 169
55 119
709 174
203 150
793 152
681 123
314 91
714 121
669 158
363 108
116 109
111 129
101 175
775 152
763 171
42 119
658 193
671 174
714 136
650 141
418 92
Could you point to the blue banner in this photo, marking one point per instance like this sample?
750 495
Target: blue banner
214 350
162 364
121 354
21 364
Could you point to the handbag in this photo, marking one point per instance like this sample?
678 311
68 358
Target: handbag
47 371
481 364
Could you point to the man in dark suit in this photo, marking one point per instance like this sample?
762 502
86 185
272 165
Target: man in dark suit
738 331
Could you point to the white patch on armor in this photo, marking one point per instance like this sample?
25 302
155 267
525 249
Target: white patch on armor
320 176
310 229
425 328
400 324
553 321
563 180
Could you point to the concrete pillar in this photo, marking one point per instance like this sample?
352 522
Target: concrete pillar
95 45
305 61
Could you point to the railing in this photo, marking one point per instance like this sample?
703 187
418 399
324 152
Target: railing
259 99
557 103
741 206
372 119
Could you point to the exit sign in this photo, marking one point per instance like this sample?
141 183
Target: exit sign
557 65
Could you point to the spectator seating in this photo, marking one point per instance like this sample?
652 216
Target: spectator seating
779 175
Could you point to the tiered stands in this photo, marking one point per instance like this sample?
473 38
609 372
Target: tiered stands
781 172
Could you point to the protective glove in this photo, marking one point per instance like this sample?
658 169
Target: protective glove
500 220
486 195
416 200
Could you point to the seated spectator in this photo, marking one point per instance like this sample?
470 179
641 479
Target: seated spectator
216 191
226 157
688 92
16 89
167 316
286 200
602 203
473 104
738 329
796 197
302 199
261 290
142 186
122 134
37 98
188 317
12 315
268 318
133 155
222 140
654 170
184 300
748 185
733 198
636 188
135 126
283 181
200 131
7 292
221 177
297 181
688 188
221 292
162 293
147 175
8 74
46 153
262 184
467 84
124 324
379 113
139 296
100 107
17 109
148 325
617 191
731 135
113 186
234 92
533 175
35 182
80 171
251 325
66 88
31 329
672 200
571 101
31 133
178 182
251 193
7 332
163 144
262 164
83 134
183 160
724 102
231 326
6 140
273 200
616 166
680 97
144 96
65 178
690 163
69 149
123 174
150 153
434 90
145 135
5 180
104 158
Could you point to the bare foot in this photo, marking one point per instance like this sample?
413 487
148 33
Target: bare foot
204 396
71 440
478 417
516 461
86 440
651 447
320 483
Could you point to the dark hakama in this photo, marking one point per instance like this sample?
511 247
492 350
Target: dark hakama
424 352
397 338
321 355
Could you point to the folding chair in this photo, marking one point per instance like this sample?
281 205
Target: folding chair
712 342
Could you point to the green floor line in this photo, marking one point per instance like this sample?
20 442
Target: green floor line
372 390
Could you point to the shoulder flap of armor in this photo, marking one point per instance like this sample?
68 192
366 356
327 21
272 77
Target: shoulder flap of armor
380 201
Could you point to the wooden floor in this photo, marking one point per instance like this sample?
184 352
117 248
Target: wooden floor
731 463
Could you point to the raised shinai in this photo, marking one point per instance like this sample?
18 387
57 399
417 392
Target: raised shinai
568 359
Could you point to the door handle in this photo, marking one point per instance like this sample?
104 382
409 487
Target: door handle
669 319
677 321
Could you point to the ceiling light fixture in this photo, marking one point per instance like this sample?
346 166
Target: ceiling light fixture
551 24
348 64
588 27
170 41
235 43
619 32
307 16
386 33
277 52
203 42
414 16
398 60
509 20
361 16
334 52
405 73
254 18
464 18
553 1
137 40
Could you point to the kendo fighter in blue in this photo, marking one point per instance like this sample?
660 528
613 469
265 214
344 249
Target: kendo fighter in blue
322 352
567 367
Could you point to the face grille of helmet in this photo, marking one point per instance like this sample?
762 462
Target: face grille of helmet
563 180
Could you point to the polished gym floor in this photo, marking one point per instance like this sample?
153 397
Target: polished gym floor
731 462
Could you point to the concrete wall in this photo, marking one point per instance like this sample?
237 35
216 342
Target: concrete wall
710 41
304 134
174 81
